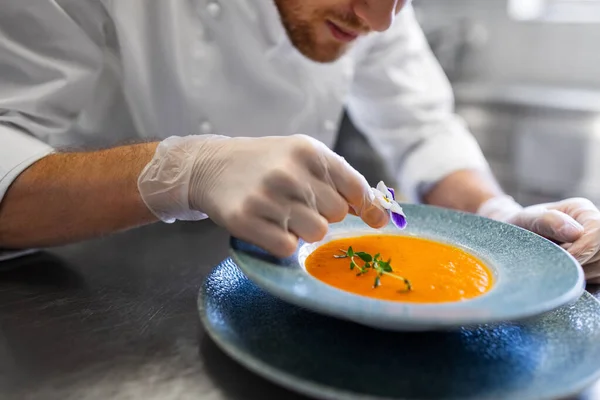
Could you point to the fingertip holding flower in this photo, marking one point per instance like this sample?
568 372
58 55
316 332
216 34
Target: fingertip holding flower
386 197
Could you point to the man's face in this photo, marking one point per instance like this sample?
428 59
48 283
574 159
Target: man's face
323 30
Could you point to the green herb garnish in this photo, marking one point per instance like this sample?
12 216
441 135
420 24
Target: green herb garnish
375 263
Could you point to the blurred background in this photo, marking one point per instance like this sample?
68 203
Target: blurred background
526 77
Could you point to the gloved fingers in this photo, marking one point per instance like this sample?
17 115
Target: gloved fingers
290 184
266 235
595 258
345 179
551 224
566 246
306 223
592 272
586 249
574 207
318 197
334 207
273 208
359 202
329 202
374 215
357 192
336 172
297 217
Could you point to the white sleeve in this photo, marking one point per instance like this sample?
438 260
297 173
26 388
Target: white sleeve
402 101
48 68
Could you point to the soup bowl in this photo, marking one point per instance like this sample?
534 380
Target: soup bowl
531 275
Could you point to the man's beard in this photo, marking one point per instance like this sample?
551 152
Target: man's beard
303 35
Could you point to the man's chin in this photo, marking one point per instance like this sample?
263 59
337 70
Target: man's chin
324 54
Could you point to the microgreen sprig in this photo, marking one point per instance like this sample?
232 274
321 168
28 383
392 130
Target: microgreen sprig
375 263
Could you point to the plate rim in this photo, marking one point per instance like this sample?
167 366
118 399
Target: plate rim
323 392
420 322
413 322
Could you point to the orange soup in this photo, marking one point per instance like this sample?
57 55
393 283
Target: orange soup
437 272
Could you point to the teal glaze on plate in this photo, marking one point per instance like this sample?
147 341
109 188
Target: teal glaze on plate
547 357
533 275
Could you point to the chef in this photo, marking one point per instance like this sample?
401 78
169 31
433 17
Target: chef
116 114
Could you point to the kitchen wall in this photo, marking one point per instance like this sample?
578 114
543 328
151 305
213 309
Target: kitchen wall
530 92
512 51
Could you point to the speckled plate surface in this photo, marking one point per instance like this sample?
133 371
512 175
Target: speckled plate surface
532 274
550 356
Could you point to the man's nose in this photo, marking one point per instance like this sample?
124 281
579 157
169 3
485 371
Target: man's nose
378 14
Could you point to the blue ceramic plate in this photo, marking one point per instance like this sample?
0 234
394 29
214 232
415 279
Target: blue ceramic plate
547 357
532 275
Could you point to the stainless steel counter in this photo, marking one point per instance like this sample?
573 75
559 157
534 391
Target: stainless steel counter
116 318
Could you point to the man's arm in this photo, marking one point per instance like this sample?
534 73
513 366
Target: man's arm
73 196
50 68
464 190
403 102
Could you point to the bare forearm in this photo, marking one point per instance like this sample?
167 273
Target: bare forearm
74 196
464 190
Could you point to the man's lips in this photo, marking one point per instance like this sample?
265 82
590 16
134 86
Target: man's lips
341 34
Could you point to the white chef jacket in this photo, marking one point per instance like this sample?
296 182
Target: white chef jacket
95 73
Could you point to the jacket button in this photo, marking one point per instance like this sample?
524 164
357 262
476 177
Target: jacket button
206 128
214 9
329 125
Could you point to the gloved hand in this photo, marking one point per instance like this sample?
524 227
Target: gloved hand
269 191
573 223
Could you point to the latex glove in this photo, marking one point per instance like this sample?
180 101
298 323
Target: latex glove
269 191
572 223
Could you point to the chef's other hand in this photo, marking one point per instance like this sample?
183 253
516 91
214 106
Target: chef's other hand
269 191
573 223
